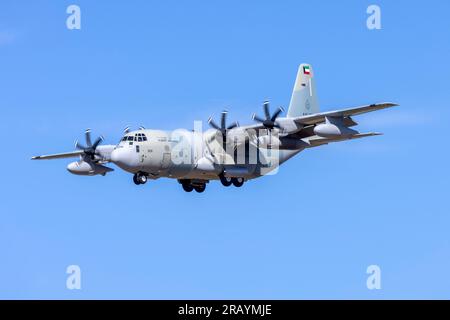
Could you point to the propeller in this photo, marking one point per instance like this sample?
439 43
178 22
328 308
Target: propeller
270 120
223 128
90 147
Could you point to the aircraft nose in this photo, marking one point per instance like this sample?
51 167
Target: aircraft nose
120 157
115 156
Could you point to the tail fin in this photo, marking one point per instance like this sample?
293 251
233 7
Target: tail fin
304 99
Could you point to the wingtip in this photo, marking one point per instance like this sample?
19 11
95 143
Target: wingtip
35 157
391 104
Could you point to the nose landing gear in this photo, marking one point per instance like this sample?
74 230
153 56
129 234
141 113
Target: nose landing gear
139 178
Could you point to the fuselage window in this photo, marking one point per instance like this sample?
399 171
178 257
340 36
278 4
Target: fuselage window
137 149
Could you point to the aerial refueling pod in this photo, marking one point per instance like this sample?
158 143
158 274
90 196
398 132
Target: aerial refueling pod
84 168
333 128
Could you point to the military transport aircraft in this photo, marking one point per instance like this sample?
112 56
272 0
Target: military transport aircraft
230 153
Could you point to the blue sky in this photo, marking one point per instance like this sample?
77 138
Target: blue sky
308 232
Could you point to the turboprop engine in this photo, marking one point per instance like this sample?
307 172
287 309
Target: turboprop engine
84 168
333 128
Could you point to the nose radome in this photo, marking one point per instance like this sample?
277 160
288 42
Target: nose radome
123 158
119 156
115 155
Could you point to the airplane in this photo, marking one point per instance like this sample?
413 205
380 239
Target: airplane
229 153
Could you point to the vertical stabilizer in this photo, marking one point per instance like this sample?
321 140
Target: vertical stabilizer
304 98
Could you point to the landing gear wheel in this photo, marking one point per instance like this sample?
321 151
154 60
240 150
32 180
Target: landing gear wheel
139 178
200 188
225 180
187 187
142 178
238 182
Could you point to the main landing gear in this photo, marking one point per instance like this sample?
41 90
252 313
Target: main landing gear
139 178
227 181
189 186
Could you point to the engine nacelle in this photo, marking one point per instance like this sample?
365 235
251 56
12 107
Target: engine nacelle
83 168
333 128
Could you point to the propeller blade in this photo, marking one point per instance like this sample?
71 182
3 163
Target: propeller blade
97 142
266 110
223 120
276 114
213 124
88 137
257 118
79 146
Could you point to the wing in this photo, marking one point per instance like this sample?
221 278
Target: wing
59 155
102 154
301 123
344 113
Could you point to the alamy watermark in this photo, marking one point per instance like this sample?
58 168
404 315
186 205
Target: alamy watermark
373 22
73 281
374 279
73 21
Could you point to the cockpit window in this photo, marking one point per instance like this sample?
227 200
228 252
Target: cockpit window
137 137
